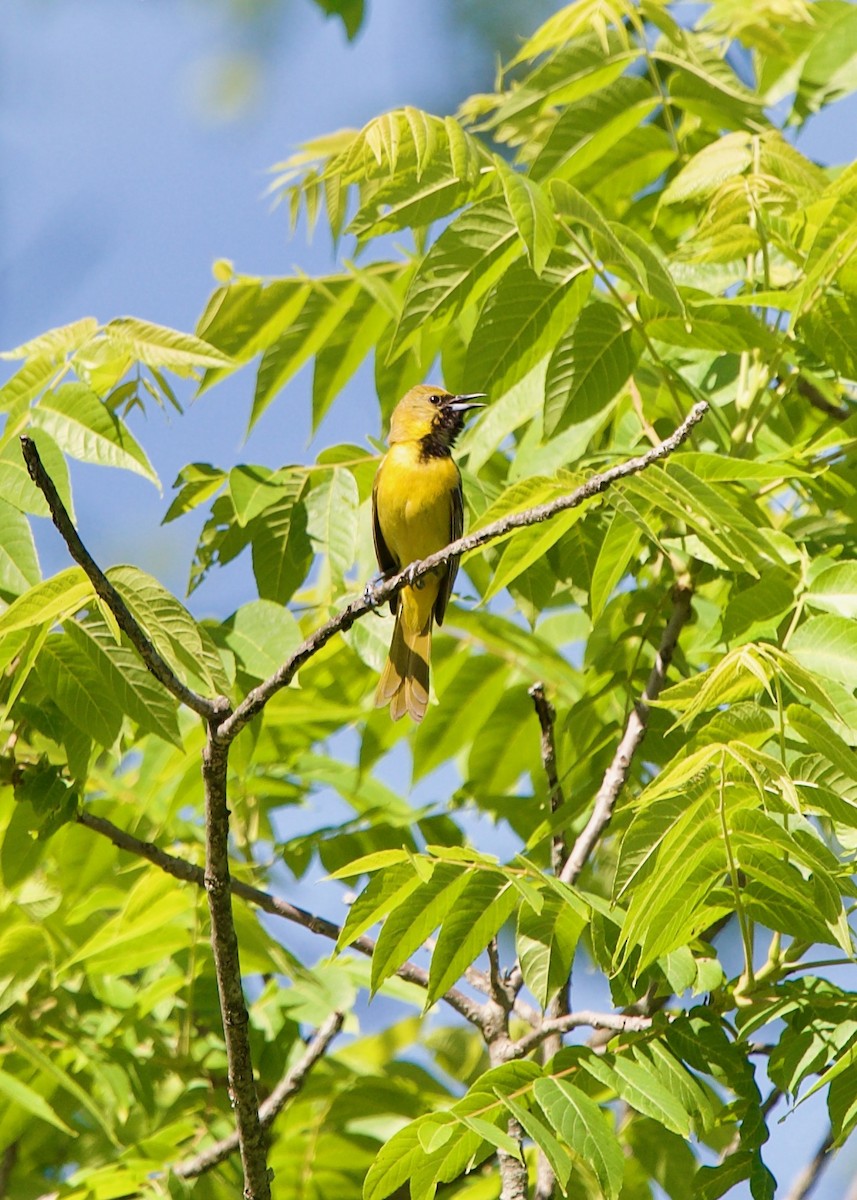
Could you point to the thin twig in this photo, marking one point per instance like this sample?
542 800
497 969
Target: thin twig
7 1166
547 716
812 1172
255 700
558 1005
158 666
227 968
188 872
635 730
289 1085
614 1022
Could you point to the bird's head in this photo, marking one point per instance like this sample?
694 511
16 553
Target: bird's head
432 413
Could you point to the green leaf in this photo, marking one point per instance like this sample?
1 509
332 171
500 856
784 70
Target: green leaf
618 547
529 545
197 483
534 1127
55 343
175 634
820 737
18 489
484 904
532 213
827 646
21 1094
27 382
522 320
158 346
730 155
326 307
466 260
332 519
589 366
282 551
645 1086
386 890
585 131
254 489
86 429
19 566
584 1128
248 315
835 589
126 680
546 943
358 331
262 635
46 603
75 685
49 1067
409 925
673 855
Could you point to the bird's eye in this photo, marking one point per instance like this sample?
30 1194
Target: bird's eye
436 399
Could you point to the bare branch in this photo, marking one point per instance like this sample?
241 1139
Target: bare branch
513 1171
256 700
615 1022
635 731
105 589
558 1006
818 400
812 1172
289 1085
227 967
7 1166
188 872
547 717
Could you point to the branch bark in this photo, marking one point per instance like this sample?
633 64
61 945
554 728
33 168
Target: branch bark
558 1006
554 1026
256 700
289 1085
547 717
227 966
104 588
635 731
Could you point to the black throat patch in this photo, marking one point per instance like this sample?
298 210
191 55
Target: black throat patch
446 427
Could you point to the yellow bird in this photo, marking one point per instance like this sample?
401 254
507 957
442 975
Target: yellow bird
416 510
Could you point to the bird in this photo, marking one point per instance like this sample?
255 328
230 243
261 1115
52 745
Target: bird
417 509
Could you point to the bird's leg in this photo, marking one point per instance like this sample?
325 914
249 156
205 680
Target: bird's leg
409 575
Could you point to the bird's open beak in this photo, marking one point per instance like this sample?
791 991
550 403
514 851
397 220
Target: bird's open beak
465 403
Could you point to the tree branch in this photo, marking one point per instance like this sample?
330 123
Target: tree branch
289 1085
547 716
552 1026
635 731
559 1004
256 700
227 967
161 670
188 872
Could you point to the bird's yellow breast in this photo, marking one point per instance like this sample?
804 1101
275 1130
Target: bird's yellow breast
414 499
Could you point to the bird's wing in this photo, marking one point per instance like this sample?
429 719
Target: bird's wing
384 555
456 529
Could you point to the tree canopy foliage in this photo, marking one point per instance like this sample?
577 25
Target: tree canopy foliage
623 230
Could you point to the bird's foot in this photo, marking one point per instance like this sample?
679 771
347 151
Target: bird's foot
409 575
370 592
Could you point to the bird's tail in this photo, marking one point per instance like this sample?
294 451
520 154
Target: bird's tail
404 682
